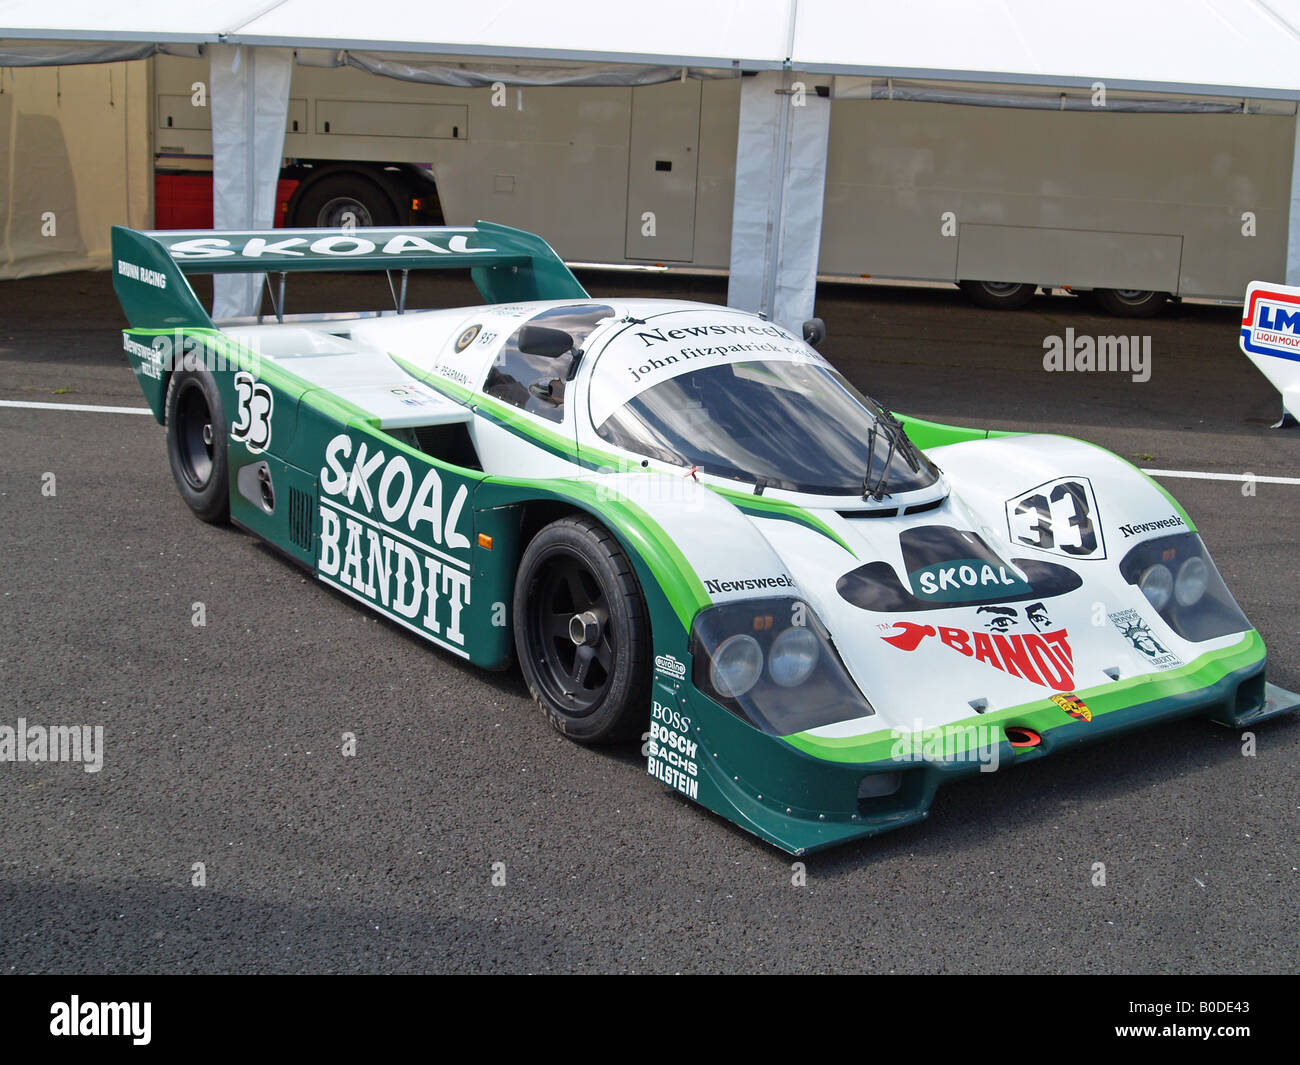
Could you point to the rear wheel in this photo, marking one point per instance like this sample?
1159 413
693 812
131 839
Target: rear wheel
1130 302
196 443
1001 295
344 200
582 632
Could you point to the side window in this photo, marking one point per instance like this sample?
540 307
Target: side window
537 383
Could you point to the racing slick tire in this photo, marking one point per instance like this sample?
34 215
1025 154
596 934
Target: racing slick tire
582 632
1130 303
1000 295
196 443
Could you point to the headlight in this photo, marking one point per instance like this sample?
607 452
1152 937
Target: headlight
794 656
1196 604
737 664
771 662
1193 579
1157 584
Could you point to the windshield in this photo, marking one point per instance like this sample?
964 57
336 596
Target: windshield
794 424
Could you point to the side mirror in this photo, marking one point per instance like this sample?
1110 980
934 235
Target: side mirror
543 340
814 331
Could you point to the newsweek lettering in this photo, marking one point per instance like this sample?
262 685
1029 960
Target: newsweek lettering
660 336
1171 522
1044 658
752 584
340 245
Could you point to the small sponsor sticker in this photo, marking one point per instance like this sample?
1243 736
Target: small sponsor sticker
1133 627
1074 706
670 666
466 338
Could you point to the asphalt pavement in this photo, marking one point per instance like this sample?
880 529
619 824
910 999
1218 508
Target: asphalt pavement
466 835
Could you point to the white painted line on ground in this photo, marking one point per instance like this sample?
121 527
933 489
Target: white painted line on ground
1222 476
74 406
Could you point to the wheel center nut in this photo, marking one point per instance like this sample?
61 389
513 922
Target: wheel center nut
584 628
207 434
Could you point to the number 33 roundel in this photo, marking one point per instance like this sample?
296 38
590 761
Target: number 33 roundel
1059 516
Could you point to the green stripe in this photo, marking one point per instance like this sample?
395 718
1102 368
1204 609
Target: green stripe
760 507
1043 714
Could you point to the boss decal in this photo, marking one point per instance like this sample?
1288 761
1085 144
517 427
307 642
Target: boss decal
378 531
1059 516
254 405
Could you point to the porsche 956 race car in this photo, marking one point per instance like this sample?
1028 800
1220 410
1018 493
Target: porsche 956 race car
686 526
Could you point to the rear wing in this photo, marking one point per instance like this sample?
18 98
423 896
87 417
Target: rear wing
150 269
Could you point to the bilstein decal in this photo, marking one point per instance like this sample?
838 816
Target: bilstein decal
1041 658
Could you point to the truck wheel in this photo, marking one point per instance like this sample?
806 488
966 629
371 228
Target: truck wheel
1002 295
196 443
582 632
1130 302
340 199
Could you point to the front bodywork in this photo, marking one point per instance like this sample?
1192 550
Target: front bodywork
978 622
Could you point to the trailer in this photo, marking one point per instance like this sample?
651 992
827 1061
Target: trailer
1141 198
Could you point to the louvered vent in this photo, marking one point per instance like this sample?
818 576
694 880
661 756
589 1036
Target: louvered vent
300 514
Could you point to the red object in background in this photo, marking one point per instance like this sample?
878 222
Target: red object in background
184 201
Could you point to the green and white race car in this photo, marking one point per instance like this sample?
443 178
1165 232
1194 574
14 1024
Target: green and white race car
686 526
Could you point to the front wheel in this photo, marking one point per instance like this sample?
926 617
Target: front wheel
582 632
1001 295
196 443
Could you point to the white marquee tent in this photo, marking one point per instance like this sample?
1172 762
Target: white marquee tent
1231 49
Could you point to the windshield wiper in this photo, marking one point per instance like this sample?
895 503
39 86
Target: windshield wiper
896 433
878 492
871 459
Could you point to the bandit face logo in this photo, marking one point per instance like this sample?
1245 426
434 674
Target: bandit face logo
1074 706
1006 618
1044 658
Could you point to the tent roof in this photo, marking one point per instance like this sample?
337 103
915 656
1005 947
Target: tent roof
1222 47
1234 47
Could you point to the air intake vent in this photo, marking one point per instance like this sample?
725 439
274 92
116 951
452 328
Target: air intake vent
879 512
300 515
921 508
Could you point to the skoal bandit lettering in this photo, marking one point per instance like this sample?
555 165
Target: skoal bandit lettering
376 534
1042 658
